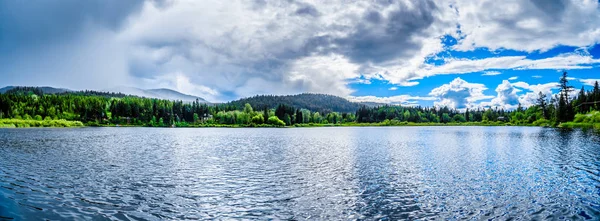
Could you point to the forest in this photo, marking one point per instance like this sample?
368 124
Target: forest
30 106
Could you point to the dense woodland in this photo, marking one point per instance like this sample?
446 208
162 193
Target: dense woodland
322 103
101 108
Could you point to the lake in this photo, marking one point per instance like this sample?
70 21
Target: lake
342 173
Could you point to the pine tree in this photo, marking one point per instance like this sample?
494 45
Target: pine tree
564 87
581 99
596 95
565 109
541 102
298 116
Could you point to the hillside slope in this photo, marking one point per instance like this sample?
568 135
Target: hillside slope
314 102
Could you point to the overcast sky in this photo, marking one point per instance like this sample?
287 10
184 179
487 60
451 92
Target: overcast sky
458 53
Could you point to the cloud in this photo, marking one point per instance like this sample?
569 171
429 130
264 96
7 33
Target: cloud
536 76
267 47
491 73
507 96
231 49
513 78
182 83
397 100
530 97
560 62
527 25
567 61
589 82
393 88
459 94
65 44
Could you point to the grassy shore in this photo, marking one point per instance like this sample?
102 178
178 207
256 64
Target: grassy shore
586 121
347 124
14 123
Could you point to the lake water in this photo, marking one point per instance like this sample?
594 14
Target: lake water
299 173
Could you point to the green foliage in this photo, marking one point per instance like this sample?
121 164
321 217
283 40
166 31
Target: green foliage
258 119
445 118
314 102
287 119
248 108
38 123
275 121
459 118
196 118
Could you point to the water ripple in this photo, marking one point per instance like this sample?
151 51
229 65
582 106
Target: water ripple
425 173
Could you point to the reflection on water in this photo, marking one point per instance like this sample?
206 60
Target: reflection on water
299 173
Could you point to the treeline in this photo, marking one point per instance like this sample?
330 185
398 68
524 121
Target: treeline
321 103
428 115
100 108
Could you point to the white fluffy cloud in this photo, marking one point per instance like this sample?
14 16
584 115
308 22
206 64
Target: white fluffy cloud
530 97
491 73
462 66
459 94
527 25
589 82
507 96
405 100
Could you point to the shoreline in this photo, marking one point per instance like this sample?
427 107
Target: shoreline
19 123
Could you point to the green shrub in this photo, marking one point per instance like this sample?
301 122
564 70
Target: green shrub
273 120
37 123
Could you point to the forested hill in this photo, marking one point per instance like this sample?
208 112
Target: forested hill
120 92
17 90
314 102
45 90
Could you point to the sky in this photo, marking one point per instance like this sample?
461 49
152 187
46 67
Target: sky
456 53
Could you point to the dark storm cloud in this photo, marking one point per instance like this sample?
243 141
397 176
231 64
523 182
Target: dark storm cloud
63 43
385 31
376 38
373 17
308 10
34 22
551 7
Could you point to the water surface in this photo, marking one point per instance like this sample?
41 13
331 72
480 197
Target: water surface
299 173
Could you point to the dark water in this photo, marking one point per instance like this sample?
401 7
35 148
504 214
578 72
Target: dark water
305 173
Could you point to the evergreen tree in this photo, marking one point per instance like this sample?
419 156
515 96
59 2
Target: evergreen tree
299 117
581 101
564 110
596 95
541 102
287 119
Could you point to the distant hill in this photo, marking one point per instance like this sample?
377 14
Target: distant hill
322 103
45 90
161 93
175 95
